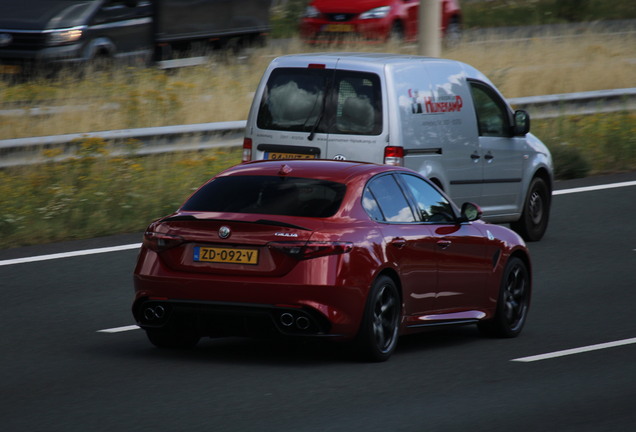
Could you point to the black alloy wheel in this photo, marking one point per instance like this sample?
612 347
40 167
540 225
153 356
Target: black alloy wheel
378 334
513 302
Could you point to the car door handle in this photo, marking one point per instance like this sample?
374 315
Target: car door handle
398 243
489 157
475 156
444 244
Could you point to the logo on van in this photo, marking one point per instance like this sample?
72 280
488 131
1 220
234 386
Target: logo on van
429 105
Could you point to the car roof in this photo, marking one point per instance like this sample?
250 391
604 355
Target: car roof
338 171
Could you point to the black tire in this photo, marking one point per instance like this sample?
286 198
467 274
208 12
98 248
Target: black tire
536 212
453 33
397 32
513 302
378 333
171 339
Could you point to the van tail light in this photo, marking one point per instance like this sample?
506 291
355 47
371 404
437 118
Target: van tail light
312 249
158 242
247 149
394 155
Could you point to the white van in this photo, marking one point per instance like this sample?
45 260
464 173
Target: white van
442 118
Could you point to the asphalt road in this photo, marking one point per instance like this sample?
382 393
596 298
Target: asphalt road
59 373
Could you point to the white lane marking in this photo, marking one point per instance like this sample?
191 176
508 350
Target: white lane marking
594 188
576 350
69 254
119 329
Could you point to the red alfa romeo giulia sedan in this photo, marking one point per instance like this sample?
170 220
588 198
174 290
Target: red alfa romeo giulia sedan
347 251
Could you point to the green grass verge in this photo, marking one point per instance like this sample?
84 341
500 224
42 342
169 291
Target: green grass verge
94 194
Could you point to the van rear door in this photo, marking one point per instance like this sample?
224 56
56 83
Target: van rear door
319 111
354 117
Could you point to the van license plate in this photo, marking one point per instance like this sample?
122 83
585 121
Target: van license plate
276 155
226 255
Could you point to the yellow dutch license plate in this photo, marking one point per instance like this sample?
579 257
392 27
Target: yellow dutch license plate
339 28
226 255
275 155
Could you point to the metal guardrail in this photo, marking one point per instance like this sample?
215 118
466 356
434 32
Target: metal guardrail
165 139
592 102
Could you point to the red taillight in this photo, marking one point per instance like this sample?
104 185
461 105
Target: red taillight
308 250
394 155
247 149
159 242
316 66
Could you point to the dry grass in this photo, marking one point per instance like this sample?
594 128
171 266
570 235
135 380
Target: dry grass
222 90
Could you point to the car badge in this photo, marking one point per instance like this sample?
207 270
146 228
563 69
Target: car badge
224 232
5 39
339 157
285 169
283 234
339 17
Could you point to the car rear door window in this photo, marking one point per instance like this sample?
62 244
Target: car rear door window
431 205
384 200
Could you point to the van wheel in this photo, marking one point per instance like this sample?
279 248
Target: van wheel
378 333
536 211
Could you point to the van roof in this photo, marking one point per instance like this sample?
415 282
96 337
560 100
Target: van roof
377 60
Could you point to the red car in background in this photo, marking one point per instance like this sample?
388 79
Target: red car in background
372 19
340 250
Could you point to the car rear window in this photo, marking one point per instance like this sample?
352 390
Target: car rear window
288 196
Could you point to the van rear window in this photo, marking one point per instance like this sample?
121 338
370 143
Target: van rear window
324 100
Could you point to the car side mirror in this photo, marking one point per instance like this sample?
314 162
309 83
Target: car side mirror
470 212
521 123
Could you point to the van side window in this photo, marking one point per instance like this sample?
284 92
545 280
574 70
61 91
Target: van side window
384 194
432 205
492 112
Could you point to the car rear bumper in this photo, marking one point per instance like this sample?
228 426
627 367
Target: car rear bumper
319 303
217 319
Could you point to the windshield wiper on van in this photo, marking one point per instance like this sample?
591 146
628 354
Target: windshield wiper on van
324 104
315 126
